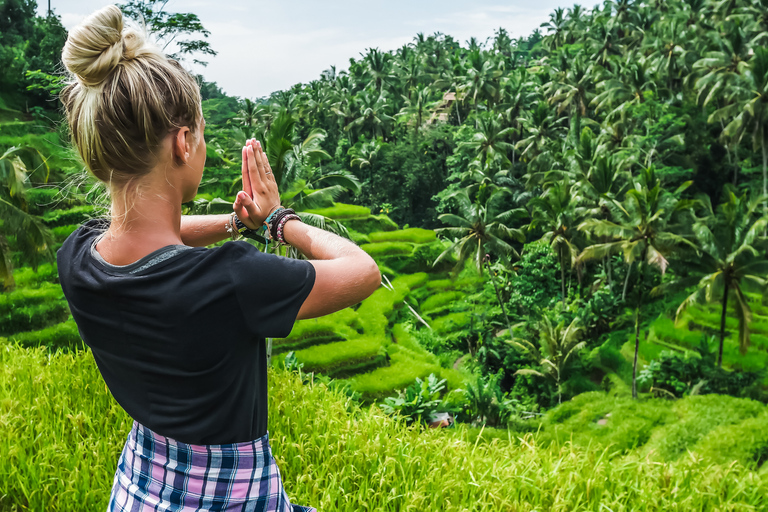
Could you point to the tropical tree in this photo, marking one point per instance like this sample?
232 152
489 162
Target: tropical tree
32 238
641 232
478 229
557 344
730 253
557 215
747 110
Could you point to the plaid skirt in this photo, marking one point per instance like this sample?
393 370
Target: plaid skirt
156 473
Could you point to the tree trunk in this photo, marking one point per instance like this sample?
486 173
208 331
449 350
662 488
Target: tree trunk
626 284
765 170
722 326
498 297
562 278
637 327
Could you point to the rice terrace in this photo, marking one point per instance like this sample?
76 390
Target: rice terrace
571 228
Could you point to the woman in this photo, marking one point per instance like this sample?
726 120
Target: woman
177 330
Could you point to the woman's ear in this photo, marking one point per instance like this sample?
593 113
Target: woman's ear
182 144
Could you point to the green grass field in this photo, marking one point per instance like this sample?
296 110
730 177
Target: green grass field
61 433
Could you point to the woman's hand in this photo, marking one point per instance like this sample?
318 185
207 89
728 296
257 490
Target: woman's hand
259 196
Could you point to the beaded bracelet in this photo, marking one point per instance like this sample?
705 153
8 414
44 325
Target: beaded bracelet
278 218
279 234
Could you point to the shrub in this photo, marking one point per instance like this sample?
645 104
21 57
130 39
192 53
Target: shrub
340 211
418 402
412 235
680 375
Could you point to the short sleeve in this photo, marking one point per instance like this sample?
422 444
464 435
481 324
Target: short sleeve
269 288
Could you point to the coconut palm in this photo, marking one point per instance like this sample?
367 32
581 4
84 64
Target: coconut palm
32 237
557 345
556 214
729 254
747 111
480 228
641 232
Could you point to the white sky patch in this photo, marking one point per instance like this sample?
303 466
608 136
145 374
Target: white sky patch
266 46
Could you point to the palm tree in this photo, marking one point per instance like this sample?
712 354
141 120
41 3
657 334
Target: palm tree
32 237
747 110
556 213
373 117
729 253
478 229
640 233
557 343
488 143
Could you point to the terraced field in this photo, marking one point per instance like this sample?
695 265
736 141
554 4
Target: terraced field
369 346
702 322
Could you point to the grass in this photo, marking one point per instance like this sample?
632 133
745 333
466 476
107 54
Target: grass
61 434
340 211
378 250
412 235
342 357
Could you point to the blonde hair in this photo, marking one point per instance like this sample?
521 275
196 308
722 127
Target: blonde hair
124 97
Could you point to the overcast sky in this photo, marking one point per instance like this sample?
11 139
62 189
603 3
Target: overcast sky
269 46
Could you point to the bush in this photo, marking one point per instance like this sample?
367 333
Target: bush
412 235
680 375
418 402
451 322
536 285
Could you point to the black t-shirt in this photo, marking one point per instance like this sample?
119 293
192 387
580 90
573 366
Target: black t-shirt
179 335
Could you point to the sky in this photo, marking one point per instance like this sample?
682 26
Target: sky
264 47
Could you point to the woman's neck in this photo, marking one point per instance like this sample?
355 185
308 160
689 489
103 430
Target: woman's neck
145 217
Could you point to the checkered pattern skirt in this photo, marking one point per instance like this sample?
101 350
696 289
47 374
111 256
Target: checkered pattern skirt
156 473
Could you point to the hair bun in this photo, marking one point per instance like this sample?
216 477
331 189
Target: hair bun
95 47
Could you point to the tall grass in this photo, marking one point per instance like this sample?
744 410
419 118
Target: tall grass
61 434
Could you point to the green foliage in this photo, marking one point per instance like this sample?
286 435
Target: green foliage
64 336
341 211
745 442
75 215
411 235
377 250
697 417
534 287
486 403
418 402
343 358
679 375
